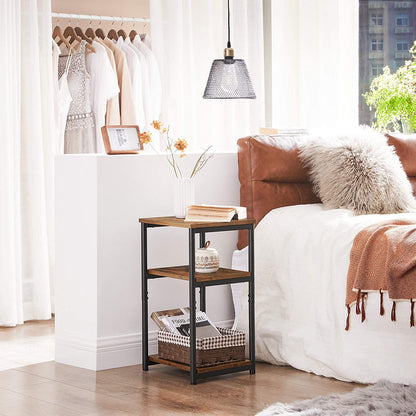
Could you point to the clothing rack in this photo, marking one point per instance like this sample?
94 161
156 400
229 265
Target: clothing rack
100 18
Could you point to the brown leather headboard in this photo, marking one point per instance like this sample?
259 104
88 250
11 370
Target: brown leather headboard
272 176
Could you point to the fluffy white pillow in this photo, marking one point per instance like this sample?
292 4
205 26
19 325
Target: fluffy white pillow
358 171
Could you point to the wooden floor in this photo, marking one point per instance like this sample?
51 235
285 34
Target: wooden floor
55 389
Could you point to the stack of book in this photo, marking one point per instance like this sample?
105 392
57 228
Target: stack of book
177 321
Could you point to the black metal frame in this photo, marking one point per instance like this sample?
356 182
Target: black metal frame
202 295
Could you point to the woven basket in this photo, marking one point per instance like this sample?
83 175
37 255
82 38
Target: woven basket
209 351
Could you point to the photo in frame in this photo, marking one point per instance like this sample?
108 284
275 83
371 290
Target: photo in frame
119 140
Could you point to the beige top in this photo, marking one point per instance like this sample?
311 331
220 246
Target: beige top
112 117
127 111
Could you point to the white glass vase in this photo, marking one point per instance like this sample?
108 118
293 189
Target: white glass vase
184 195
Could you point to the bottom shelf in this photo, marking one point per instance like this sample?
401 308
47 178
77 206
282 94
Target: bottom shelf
200 370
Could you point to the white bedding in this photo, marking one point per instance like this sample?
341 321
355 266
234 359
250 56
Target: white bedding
302 257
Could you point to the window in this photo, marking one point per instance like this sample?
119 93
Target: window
376 69
402 45
402 20
376 19
385 35
377 45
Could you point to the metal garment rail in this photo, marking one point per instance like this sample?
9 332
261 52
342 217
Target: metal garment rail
100 18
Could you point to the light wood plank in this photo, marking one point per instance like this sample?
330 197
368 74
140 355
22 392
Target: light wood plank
60 390
16 404
180 222
182 272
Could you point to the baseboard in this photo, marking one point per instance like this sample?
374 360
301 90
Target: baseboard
76 351
123 350
109 352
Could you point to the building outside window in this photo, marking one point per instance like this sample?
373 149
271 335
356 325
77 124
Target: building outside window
376 69
402 45
402 20
376 44
386 32
376 19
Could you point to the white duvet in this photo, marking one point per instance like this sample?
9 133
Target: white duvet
302 257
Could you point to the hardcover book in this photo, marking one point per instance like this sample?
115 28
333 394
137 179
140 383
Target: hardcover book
216 213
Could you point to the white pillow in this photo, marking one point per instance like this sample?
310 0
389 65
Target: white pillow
358 171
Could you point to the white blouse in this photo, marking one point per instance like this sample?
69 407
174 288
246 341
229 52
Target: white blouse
154 76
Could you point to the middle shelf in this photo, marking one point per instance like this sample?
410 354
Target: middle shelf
221 276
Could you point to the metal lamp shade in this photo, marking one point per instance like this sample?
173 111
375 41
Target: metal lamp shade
229 78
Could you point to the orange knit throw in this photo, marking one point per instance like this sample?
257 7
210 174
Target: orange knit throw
383 259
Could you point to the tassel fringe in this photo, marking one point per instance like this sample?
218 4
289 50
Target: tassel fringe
393 312
357 304
347 324
362 307
381 303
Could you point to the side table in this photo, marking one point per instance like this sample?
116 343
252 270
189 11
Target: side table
198 280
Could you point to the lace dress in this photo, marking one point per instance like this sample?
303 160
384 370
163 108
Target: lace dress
62 97
79 130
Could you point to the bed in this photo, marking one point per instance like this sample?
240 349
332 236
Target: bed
302 258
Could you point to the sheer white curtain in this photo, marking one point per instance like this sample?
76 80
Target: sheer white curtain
26 161
315 63
187 35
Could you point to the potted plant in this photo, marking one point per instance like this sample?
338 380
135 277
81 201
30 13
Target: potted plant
393 97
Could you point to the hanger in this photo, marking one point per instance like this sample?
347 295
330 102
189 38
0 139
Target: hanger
70 35
80 33
57 33
70 32
121 32
90 31
99 32
112 34
133 32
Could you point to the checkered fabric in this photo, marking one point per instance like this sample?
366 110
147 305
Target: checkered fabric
229 338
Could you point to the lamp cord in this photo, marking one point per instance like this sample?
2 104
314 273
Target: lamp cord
228 43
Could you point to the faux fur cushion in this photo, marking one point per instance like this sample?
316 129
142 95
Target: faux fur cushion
358 171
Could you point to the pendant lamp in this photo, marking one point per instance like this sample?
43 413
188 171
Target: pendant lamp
229 77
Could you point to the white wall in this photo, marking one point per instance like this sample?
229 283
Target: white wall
99 199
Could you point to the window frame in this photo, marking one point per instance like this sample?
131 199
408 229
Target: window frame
377 45
378 17
402 16
378 69
402 42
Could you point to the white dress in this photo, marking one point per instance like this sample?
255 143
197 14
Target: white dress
62 98
154 75
104 86
80 126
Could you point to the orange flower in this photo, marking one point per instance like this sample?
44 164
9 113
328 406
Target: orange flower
145 137
156 124
164 130
181 145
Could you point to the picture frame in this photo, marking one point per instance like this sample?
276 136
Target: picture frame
121 140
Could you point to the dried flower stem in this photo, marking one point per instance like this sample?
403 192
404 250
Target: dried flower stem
172 161
201 162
